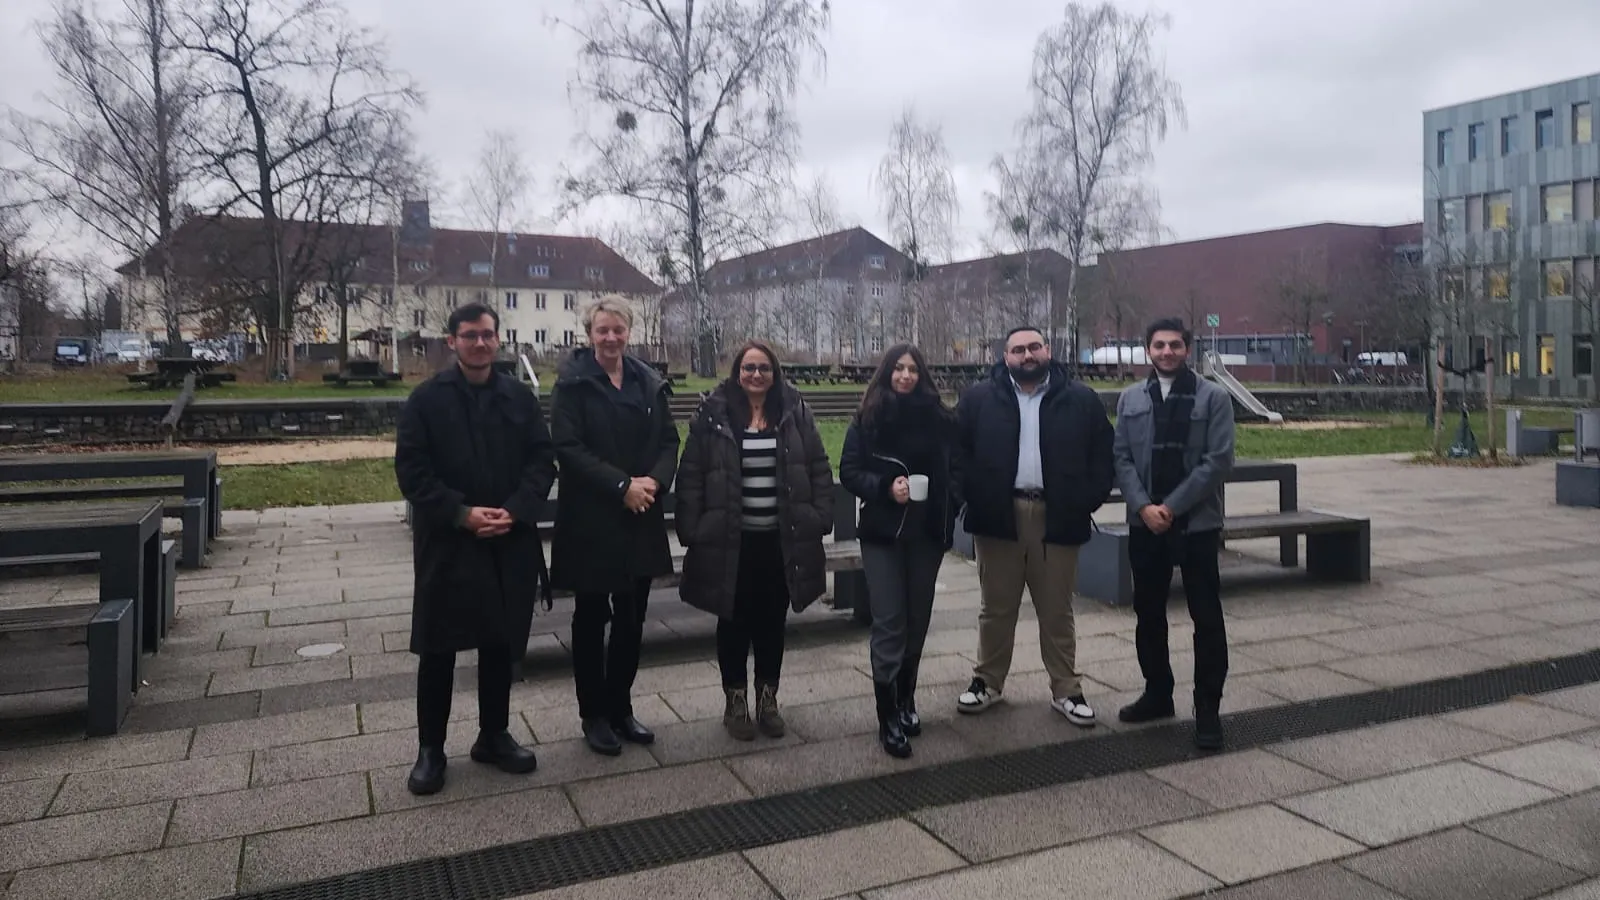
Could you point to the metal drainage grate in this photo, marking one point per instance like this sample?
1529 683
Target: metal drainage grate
559 860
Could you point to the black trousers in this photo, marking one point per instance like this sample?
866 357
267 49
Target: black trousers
760 610
604 671
436 676
901 581
1152 558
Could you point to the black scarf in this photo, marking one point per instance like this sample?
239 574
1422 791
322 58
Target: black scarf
1170 433
909 427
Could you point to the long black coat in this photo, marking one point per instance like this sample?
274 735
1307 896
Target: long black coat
710 514
601 443
875 455
1075 444
452 453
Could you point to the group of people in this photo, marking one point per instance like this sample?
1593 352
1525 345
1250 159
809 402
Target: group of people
1024 460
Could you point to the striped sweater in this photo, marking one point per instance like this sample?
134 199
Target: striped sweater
758 463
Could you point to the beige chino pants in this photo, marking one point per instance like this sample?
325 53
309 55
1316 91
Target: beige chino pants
1050 573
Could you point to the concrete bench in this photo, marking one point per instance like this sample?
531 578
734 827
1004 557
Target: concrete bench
1338 548
112 645
198 525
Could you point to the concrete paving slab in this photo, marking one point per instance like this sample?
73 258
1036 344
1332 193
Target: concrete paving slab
137 785
1396 638
1253 842
1562 832
1560 765
705 739
118 752
319 851
564 762
256 810
1384 749
1295 652
809 765
333 612
855 859
258 678
199 872
1294 625
275 731
1241 779
1461 865
1527 646
726 877
640 795
1414 665
553 724
1585 701
1521 720
1113 868
1325 882
1390 809
60 839
994 827
23 800
316 633
1589 890
1299 685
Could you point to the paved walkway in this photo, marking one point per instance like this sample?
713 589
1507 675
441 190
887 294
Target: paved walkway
249 761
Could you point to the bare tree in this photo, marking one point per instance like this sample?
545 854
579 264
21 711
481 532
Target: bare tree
698 131
1101 99
293 85
1304 300
918 197
114 148
497 193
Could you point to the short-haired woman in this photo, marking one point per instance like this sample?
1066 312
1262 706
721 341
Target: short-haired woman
618 449
900 458
754 501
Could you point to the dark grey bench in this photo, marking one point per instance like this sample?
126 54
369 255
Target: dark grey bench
80 563
112 646
198 526
1338 548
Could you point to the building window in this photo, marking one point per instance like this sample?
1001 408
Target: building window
419 265
419 318
418 290
539 300
1477 141
1442 153
322 294
1499 211
386 296
569 302
511 336
511 299
1583 354
1547 354
877 343
1500 283
450 299
1510 361
481 268
1558 278
1544 129
567 338
1451 215
877 291
541 336
1582 123
594 273
1557 202
875 262
1508 135
539 271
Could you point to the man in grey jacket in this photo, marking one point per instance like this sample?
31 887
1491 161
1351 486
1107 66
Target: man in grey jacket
1173 449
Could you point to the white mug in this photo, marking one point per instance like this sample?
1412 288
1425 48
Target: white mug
919 487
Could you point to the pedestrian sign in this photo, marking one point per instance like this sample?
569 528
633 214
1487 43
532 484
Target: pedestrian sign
1213 320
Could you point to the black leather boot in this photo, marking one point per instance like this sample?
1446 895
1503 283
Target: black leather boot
503 752
905 695
632 730
890 734
427 776
1208 723
1150 707
601 739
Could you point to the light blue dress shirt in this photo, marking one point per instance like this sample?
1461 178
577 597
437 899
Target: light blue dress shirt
1030 458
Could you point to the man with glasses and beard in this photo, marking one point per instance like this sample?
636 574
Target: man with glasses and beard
476 461
1174 449
1037 446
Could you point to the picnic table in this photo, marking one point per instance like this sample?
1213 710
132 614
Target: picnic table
358 370
170 372
807 373
194 474
854 373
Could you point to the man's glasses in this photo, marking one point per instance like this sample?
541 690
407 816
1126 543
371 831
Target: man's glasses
756 369
1167 345
478 337
1020 349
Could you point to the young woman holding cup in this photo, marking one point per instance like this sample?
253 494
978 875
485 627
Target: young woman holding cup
900 459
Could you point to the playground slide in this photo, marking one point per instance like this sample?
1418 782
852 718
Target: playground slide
1218 371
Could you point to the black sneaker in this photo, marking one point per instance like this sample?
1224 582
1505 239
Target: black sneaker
1148 708
977 697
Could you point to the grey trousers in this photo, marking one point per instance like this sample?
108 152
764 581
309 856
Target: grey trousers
900 583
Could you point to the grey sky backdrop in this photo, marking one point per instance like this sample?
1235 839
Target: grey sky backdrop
1299 110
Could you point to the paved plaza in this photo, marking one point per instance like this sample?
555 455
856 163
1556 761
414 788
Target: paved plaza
270 745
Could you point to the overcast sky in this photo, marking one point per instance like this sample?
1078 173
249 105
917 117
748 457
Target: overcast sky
1299 110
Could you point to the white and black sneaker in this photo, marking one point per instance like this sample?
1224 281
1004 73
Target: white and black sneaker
1076 709
977 697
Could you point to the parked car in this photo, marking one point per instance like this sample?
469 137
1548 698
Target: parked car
72 353
132 351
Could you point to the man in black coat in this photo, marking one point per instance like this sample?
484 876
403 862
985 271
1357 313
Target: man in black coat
1037 446
474 458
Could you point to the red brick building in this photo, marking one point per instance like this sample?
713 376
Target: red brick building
1319 290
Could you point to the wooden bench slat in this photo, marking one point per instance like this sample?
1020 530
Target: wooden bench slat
43 618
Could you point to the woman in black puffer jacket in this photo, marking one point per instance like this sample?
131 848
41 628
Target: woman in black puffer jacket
902 435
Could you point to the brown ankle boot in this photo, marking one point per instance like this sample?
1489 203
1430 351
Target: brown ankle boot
768 719
736 715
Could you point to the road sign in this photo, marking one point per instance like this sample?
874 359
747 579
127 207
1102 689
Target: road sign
1213 320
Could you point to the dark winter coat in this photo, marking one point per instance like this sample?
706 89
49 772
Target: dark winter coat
461 446
604 438
1075 446
907 436
710 498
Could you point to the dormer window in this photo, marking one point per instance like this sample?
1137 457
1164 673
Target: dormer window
419 265
481 268
539 271
594 273
875 262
